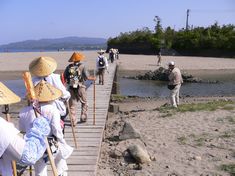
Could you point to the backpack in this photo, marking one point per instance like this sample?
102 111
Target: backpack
101 62
75 76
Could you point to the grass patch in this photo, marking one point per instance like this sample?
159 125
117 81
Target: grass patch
227 134
228 108
182 140
220 120
230 168
193 107
117 97
231 119
200 141
167 115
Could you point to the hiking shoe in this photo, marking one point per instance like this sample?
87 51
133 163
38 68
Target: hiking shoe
83 118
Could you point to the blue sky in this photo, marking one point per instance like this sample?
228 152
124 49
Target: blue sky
36 19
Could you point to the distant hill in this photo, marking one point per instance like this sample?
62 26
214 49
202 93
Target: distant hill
66 43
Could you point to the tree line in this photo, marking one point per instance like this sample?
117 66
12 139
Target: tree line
214 40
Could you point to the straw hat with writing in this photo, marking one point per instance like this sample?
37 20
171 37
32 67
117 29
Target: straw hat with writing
46 92
7 96
42 66
76 57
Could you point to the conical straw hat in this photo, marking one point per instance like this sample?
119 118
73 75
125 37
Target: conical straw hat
7 96
76 57
46 92
42 66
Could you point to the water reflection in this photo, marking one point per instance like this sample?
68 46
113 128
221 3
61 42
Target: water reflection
144 88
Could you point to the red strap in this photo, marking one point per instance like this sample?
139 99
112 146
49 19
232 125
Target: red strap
62 78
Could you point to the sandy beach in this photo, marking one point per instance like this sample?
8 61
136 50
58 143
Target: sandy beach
13 64
20 61
190 143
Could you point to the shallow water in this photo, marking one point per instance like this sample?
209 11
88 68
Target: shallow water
146 88
18 87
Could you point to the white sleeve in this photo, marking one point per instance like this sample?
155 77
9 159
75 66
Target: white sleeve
26 118
58 84
106 63
97 62
55 126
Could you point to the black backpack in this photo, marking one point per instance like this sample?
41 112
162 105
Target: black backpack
101 62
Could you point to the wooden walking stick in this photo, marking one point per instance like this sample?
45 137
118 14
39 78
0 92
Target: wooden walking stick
8 118
70 116
73 130
30 90
94 99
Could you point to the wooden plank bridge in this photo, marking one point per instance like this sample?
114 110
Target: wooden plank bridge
84 160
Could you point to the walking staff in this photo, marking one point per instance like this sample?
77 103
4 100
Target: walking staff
32 96
73 130
94 100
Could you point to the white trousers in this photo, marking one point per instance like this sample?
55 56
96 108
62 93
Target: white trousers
60 163
174 97
13 152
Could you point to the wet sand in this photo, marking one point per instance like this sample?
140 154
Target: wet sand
20 61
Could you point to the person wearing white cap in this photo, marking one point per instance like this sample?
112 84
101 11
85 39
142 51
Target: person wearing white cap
46 94
101 65
175 81
12 146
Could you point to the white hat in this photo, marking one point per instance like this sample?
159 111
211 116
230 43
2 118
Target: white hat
171 63
101 51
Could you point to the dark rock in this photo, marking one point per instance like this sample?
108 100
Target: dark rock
161 74
114 108
128 132
115 154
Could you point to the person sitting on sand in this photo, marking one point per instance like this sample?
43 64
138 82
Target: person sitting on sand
43 69
75 75
175 81
26 151
46 94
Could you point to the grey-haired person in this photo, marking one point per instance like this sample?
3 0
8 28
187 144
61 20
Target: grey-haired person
175 81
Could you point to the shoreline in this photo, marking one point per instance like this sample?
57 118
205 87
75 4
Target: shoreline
14 75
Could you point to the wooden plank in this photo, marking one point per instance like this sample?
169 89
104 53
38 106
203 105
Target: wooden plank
75 167
84 136
84 160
